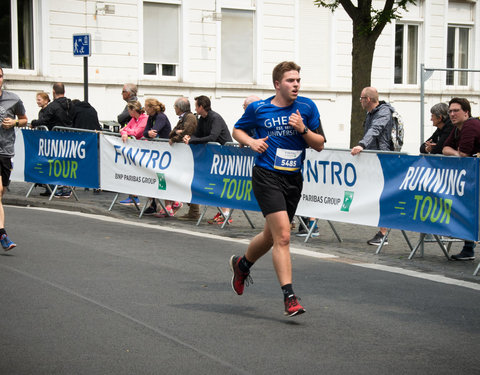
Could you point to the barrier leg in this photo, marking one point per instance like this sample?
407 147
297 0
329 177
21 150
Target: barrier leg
136 205
162 205
339 239
420 241
476 270
30 190
73 192
53 192
442 246
380 247
225 221
248 219
144 207
407 240
302 223
113 202
310 230
201 216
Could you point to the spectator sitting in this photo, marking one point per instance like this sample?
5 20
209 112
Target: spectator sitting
463 141
42 99
441 121
187 123
134 128
85 116
137 123
211 127
157 126
129 94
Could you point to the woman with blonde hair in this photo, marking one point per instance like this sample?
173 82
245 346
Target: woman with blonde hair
158 125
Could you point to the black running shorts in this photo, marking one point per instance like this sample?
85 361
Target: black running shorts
276 191
5 170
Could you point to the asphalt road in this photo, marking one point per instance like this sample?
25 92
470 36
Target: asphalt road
81 295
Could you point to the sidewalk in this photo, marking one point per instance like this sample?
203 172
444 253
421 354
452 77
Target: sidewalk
353 248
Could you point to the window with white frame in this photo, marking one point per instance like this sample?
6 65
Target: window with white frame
457 55
406 54
16 39
237 46
160 39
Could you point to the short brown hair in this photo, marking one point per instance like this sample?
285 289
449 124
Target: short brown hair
155 104
464 103
204 101
282 68
44 96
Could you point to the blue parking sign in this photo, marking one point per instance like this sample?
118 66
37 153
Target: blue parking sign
81 45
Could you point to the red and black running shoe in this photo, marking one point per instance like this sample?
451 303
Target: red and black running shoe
240 279
292 307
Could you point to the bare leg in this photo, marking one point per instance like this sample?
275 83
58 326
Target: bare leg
277 233
383 230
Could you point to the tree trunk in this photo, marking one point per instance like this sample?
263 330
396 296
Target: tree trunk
363 48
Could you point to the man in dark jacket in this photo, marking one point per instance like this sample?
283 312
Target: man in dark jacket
84 116
463 141
59 112
211 127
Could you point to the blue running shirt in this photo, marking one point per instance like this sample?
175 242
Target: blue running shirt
286 147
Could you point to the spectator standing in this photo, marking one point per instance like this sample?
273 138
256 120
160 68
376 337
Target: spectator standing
285 126
377 135
129 94
134 128
186 125
12 114
211 127
85 116
441 120
463 141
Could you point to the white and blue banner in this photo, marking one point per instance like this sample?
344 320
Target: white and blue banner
149 169
60 158
428 194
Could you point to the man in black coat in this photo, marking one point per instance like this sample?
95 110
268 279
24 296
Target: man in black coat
84 116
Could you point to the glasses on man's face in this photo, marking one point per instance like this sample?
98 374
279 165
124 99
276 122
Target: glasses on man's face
363 97
455 110
124 91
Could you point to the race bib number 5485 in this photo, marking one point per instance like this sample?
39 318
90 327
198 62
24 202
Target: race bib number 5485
288 160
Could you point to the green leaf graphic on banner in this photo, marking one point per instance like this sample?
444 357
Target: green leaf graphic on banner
347 201
162 183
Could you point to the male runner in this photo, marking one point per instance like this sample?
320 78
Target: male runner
11 107
285 125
